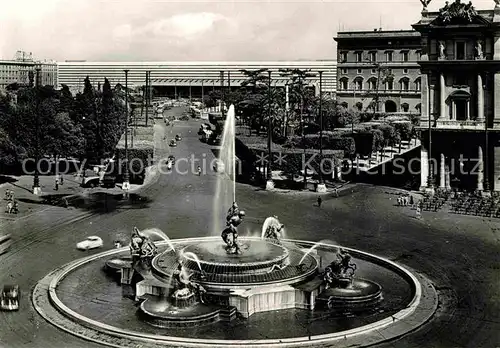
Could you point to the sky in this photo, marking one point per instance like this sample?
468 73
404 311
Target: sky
222 30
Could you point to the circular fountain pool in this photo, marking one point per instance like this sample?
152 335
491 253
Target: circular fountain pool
267 312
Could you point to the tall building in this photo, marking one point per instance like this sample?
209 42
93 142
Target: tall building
185 79
377 71
460 121
17 70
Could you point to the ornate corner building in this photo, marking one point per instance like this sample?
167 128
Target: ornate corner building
378 71
460 99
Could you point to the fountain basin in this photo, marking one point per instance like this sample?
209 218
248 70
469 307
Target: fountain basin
263 263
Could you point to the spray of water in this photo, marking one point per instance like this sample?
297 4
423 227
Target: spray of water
225 193
308 252
156 232
193 257
271 221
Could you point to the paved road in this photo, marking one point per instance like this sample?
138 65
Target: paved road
461 256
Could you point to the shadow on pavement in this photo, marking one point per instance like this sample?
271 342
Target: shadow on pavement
6 179
99 202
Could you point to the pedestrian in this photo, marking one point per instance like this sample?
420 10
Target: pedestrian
11 195
15 208
320 200
199 170
61 180
56 184
412 202
9 207
335 192
419 213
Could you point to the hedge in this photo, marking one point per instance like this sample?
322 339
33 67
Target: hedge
311 141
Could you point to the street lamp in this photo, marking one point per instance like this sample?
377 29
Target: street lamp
126 182
36 179
430 177
269 183
321 185
223 96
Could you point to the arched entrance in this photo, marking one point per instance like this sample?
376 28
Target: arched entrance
390 106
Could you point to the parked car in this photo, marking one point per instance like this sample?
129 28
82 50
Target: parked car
91 181
173 143
92 242
178 137
9 298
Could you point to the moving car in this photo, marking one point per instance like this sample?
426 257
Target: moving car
91 242
173 143
9 298
178 137
5 242
91 181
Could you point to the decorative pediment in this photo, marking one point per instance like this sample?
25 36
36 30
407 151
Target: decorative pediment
458 13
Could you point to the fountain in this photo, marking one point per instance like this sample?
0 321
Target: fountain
225 192
198 282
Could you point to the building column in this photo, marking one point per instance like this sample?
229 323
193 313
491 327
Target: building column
480 171
424 98
442 105
453 110
480 98
442 179
467 110
424 167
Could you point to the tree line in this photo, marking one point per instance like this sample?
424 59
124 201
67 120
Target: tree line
38 121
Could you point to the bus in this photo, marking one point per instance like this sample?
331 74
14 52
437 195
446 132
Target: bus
5 242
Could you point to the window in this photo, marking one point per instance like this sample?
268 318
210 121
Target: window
460 50
389 56
372 84
343 84
358 84
343 56
344 71
405 71
389 85
359 57
360 71
374 71
405 107
404 55
373 56
418 86
405 85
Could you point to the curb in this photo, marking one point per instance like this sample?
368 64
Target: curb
418 312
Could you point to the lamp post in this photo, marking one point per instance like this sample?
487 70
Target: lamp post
36 179
223 96
430 177
126 182
486 175
269 183
321 188
146 92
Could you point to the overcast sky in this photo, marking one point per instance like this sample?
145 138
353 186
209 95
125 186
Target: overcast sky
154 30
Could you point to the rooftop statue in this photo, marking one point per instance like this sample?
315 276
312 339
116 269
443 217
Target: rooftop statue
425 3
457 12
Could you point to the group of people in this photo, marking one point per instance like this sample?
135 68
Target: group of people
12 205
406 200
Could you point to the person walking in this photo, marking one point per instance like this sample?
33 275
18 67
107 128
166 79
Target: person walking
336 192
320 200
56 183
419 212
199 170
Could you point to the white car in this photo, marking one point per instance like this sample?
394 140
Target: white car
91 242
